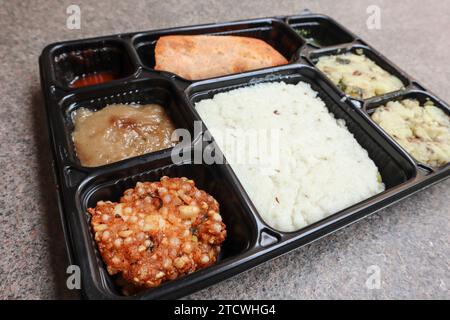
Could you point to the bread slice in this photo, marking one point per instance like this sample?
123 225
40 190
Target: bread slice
206 56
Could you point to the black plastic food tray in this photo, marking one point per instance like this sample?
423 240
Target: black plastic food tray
250 241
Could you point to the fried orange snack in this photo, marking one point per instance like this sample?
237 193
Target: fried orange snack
206 56
158 231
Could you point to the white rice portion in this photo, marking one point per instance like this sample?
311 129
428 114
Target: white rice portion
321 169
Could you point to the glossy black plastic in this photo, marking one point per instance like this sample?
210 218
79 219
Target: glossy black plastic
77 59
320 31
250 241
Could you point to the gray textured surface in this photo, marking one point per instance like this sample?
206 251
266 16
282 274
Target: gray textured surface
409 241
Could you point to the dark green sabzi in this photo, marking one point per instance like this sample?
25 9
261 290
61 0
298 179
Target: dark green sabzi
309 38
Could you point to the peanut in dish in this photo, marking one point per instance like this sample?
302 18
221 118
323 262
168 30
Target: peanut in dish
159 231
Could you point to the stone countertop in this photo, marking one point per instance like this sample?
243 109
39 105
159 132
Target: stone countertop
409 241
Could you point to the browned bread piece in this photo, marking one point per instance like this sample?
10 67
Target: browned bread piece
207 56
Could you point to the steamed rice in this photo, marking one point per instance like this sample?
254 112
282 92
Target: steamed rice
321 169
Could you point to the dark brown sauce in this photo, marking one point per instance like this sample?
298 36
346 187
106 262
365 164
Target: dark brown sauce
119 131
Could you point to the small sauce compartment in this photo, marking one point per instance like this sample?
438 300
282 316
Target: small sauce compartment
273 32
423 99
214 179
319 31
86 64
141 92
401 82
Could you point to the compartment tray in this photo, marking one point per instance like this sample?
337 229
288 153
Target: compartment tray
251 241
